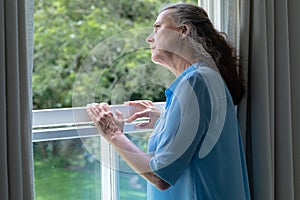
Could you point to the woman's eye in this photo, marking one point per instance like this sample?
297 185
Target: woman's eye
156 26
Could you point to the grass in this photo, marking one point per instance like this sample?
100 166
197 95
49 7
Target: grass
55 183
63 171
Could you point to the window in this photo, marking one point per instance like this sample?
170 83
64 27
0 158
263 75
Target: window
91 169
67 155
70 159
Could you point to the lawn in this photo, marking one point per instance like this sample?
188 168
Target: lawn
66 170
56 183
53 183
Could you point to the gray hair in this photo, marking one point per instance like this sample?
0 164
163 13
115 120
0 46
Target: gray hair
206 36
188 14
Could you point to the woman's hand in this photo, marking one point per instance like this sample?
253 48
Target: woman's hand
144 108
106 123
112 129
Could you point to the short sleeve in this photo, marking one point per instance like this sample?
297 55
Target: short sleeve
184 124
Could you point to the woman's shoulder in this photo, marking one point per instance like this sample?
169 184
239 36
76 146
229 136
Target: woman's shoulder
200 74
199 70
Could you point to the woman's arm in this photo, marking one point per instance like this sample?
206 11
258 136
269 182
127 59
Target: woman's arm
112 130
138 160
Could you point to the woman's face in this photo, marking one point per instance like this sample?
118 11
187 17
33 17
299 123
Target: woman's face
165 39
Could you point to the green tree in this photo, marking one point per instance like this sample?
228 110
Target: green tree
66 31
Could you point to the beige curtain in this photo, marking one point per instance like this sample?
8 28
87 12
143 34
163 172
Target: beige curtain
269 48
16 39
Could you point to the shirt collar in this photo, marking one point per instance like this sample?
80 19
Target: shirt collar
174 84
171 88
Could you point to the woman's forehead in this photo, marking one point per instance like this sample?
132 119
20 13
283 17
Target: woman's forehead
164 17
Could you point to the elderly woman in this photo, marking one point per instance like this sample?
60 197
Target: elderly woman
195 151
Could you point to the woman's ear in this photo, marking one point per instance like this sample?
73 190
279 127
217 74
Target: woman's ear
185 30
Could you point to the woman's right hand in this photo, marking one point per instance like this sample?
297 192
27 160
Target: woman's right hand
144 108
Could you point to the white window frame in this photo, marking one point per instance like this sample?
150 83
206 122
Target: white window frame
66 123
215 12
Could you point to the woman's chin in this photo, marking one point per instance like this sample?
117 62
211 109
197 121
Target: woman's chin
155 59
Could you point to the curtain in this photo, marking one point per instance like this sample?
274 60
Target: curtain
269 49
16 55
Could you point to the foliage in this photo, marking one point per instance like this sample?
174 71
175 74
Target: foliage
65 33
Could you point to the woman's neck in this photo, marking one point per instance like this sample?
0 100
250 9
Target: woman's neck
179 65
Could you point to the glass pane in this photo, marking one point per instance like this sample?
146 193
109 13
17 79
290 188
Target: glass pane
131 185
65 169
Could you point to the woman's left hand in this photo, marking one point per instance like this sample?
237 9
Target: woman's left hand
144 108
104 119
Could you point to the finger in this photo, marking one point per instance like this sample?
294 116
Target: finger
143 102
136 105
89 112
105 107
137 115
148 102
143 125
140 104
119 115
90 106
97 110
93 115
133 103
120 119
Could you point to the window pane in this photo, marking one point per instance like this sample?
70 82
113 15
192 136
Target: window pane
65 169
131 185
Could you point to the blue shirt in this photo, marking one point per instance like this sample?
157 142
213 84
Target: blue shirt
196 143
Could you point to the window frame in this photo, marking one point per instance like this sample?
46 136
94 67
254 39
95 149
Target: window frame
215 12
66 123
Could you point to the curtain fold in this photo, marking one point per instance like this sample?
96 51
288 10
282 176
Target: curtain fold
284 184
294 33
16 55
268 46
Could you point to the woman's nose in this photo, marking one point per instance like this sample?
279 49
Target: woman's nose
150 39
